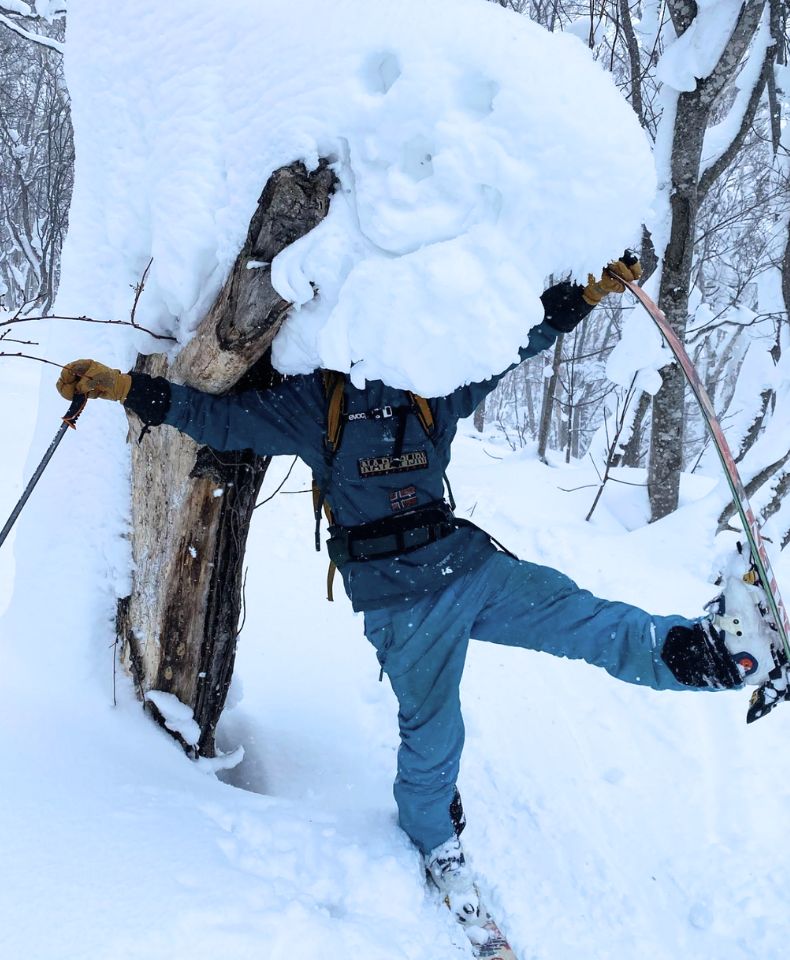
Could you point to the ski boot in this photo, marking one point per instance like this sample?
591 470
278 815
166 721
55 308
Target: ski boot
446 867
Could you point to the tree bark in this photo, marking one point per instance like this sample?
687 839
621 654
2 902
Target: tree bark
192 506
632 450
691 119
479 419
548 399
666 448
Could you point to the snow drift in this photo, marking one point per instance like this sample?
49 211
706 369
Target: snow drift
477 153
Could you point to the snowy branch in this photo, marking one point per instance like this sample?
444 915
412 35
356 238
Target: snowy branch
737 47
746 104
632 46
38 38
12 12
752 487
48 10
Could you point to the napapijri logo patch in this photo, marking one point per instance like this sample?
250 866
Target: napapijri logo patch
403 499
381 466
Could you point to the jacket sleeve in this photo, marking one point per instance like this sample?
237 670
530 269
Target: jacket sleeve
287 419
563 308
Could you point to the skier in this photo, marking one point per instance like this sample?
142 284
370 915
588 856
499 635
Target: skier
426 580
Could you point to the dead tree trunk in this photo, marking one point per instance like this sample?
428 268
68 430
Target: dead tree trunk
191 506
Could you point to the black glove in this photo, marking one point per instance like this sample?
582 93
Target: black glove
698 657
563 306
149 398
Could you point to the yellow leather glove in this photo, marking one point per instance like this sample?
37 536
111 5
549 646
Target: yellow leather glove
93 380
627 267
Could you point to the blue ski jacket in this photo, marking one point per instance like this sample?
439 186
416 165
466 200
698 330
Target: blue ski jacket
361 480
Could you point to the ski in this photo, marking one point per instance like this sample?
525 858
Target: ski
777 687
487 940
495 946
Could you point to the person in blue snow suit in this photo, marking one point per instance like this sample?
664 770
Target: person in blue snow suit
426 580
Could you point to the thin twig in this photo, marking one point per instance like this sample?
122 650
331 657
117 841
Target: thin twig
114 646
131 322
28 357
120 323
279 488
22 343
621 416
138 290
243 602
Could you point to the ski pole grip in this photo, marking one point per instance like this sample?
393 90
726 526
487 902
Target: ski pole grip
76 407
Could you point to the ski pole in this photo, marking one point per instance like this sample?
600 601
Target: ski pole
69 421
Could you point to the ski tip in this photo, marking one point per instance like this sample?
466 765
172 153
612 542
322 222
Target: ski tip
495 945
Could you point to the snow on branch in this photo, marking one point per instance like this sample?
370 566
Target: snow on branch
48 10
12 12
723 142
17 7
55 45
746 27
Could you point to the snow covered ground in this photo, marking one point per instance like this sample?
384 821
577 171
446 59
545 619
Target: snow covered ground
605 821
19 381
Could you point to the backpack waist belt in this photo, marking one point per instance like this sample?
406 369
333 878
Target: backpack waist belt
392 536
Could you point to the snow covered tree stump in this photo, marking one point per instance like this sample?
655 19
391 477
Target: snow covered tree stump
192 506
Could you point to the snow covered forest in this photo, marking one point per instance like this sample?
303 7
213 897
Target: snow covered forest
720 141
231 195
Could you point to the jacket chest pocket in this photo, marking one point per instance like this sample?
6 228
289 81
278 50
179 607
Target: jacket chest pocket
374 449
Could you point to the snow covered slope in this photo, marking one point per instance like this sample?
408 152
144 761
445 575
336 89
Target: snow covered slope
606 821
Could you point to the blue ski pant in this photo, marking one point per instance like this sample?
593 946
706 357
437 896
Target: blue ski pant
422 649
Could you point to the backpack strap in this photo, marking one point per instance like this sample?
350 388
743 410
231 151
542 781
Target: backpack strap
334 388
424 413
